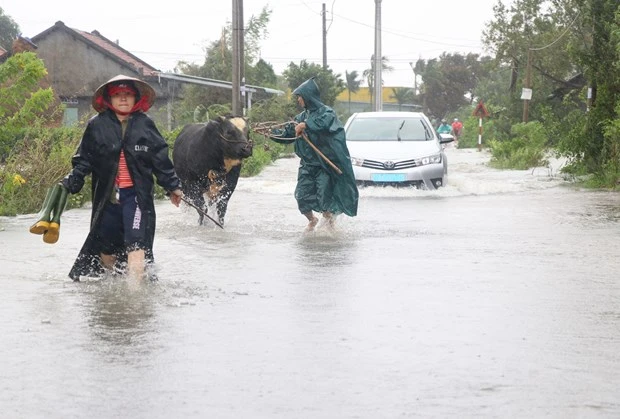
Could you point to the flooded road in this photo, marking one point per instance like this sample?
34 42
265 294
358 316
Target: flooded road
496 296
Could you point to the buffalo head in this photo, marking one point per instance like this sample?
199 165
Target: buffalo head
234 137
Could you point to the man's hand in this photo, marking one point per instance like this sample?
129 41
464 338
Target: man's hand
299 128
175 197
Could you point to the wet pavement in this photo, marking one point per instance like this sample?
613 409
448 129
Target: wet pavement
496 296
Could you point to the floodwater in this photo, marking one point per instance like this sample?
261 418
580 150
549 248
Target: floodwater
496 296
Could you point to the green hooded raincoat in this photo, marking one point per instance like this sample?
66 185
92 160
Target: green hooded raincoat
319 187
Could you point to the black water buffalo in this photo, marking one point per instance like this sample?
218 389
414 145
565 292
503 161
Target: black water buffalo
207 158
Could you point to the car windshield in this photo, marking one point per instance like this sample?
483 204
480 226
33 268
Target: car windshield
387 129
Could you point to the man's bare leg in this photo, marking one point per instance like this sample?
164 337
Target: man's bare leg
312 221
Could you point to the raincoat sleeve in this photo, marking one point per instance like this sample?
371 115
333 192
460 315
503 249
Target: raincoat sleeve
163 169
285 135
80 162
326 122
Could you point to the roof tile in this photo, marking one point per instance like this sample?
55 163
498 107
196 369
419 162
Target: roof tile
116 50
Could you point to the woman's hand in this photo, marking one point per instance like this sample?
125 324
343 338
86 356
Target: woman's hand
175 197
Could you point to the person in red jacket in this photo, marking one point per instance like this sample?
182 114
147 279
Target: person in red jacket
457 129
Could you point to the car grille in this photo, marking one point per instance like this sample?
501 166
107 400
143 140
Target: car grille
388 165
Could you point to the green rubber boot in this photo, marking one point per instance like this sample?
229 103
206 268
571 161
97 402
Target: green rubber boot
53 232
45 215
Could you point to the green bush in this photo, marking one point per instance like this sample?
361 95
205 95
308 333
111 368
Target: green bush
216 110
490 131
23 103
525 149
608 176
263 154
255 163
40 159
9 138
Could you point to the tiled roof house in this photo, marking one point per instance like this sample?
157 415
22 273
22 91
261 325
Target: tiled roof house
78 62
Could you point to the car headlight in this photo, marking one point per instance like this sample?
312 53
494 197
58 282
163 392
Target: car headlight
357 162
435 158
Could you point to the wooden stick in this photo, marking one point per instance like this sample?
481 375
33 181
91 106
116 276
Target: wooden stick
303 134
262 127
200 210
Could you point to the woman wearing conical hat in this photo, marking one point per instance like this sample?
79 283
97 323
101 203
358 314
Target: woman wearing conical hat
124 153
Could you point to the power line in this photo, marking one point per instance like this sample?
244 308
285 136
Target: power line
560 37
403 35
331 21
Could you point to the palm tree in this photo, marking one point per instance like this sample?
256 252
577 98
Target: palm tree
402 95
369 73
353 84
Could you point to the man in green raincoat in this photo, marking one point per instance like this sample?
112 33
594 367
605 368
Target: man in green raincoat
323 186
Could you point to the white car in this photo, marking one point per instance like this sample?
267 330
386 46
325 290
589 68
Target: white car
397 148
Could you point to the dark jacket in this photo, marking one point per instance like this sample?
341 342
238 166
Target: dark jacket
146 153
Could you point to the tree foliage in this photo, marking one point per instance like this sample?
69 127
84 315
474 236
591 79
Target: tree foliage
602 67
450 81
218 65
572 44
544 30
23 103
9 30
330 84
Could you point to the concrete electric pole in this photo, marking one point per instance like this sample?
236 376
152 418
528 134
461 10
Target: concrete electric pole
324 14
238 78
527 91
378 93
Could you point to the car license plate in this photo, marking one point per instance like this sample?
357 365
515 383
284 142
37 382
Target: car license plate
388 177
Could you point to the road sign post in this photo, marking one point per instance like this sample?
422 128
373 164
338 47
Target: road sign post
480 112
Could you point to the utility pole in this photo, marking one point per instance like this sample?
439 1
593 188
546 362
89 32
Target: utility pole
324 14
415 80
237 57
378 99
241 54
527 91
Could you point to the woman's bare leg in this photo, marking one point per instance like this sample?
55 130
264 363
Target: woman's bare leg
135 263
108 261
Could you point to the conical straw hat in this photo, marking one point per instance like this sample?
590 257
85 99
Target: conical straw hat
145 90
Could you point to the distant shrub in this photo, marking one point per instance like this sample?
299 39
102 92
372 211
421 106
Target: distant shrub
41 159
525 149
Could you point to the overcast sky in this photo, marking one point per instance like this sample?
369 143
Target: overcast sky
179 30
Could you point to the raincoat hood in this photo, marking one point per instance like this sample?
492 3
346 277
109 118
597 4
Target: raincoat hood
309 91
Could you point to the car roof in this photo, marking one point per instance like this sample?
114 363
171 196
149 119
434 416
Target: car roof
388 114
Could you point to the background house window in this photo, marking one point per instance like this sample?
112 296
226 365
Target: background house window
70 116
